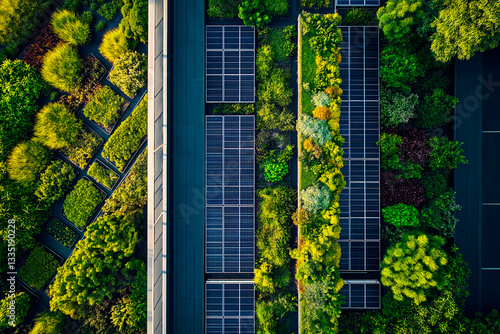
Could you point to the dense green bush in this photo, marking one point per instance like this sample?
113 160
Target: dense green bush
62 67
103 175
70 28
223 8
439 216
49 323
315 198
129 135
264 62
414 266
276 166
235 109
61 233
38 268
56 127
272 117
269 313
399 68
22 300
389 151
275 89
55 181
315 3
109 10
401 215
82 202
27 161
321 308
20 87
135 19
114 45
251 14
357 17
445 153
399 17
434 183
396 108
129 72
313 128
321 99
281 41
104 107
83 149
436 110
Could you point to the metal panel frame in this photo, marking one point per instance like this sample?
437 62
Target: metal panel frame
350 283
350 3
223 75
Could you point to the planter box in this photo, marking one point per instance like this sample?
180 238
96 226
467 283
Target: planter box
103 165
88 130
57 222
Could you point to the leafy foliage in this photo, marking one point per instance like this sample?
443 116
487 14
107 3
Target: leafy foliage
464 28
55 181
22 305
82 202
434 183
83 149
104 107
357 17
223 8
281 41
62 67
127 138
135 19
61 233
43 43
103 175
38 268
129 72
49 322
438 215
109 10
445 153
56 127
315 3
396 190
269 312
435 110
414 266
398 18
114 45
399 68
276 166
70 28
401 215
315 129
321 309
27 161
396 108
316 198
321 99
235 109
389 150
20 87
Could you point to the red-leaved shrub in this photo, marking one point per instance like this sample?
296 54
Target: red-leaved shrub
394 190
43 43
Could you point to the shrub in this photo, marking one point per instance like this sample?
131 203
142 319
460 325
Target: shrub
49 322
281 40
333 179
322 113
445 153
250 13
83 149
439 214
61 233
315 129
401 215
135 19
235 109
396 109
55 181
264 62
396 190
62 67
223 8
415 147
414 266
110 9
38 268
129 72
100 26
399 68
357 17
434 183
104 107
20 87
70 28
22 300
103 175
56 127
27 161
389 151
82 202
315 198
435 110
275 89
315 3
43 43
269 313
398 18
114 45
276 167
321 99
321 308
129 135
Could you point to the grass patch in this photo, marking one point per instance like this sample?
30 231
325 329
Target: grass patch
308 58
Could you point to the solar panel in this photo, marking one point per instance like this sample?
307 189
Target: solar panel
230 307
230 194
361 294
359 125
230 64
358 2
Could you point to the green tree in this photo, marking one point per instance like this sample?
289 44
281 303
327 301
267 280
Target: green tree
22 305
436 110
316 198
389 151
401 215
398 18
465 27
129 72
114 45
55 181
269 313
70 28
396 108
400 68
321 308
439 216
135 19
27 161
57 127
414 266
313 128
445 153
20 87
49 323
62 67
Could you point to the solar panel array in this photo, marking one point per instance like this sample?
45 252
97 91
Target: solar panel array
359 125
358 2
230 64
230 307
361 294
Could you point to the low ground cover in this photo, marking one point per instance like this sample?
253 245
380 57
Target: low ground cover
62 233
103 175
38 268
81 203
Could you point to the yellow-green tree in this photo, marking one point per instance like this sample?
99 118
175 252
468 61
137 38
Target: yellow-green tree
414 266
56 127
398 18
